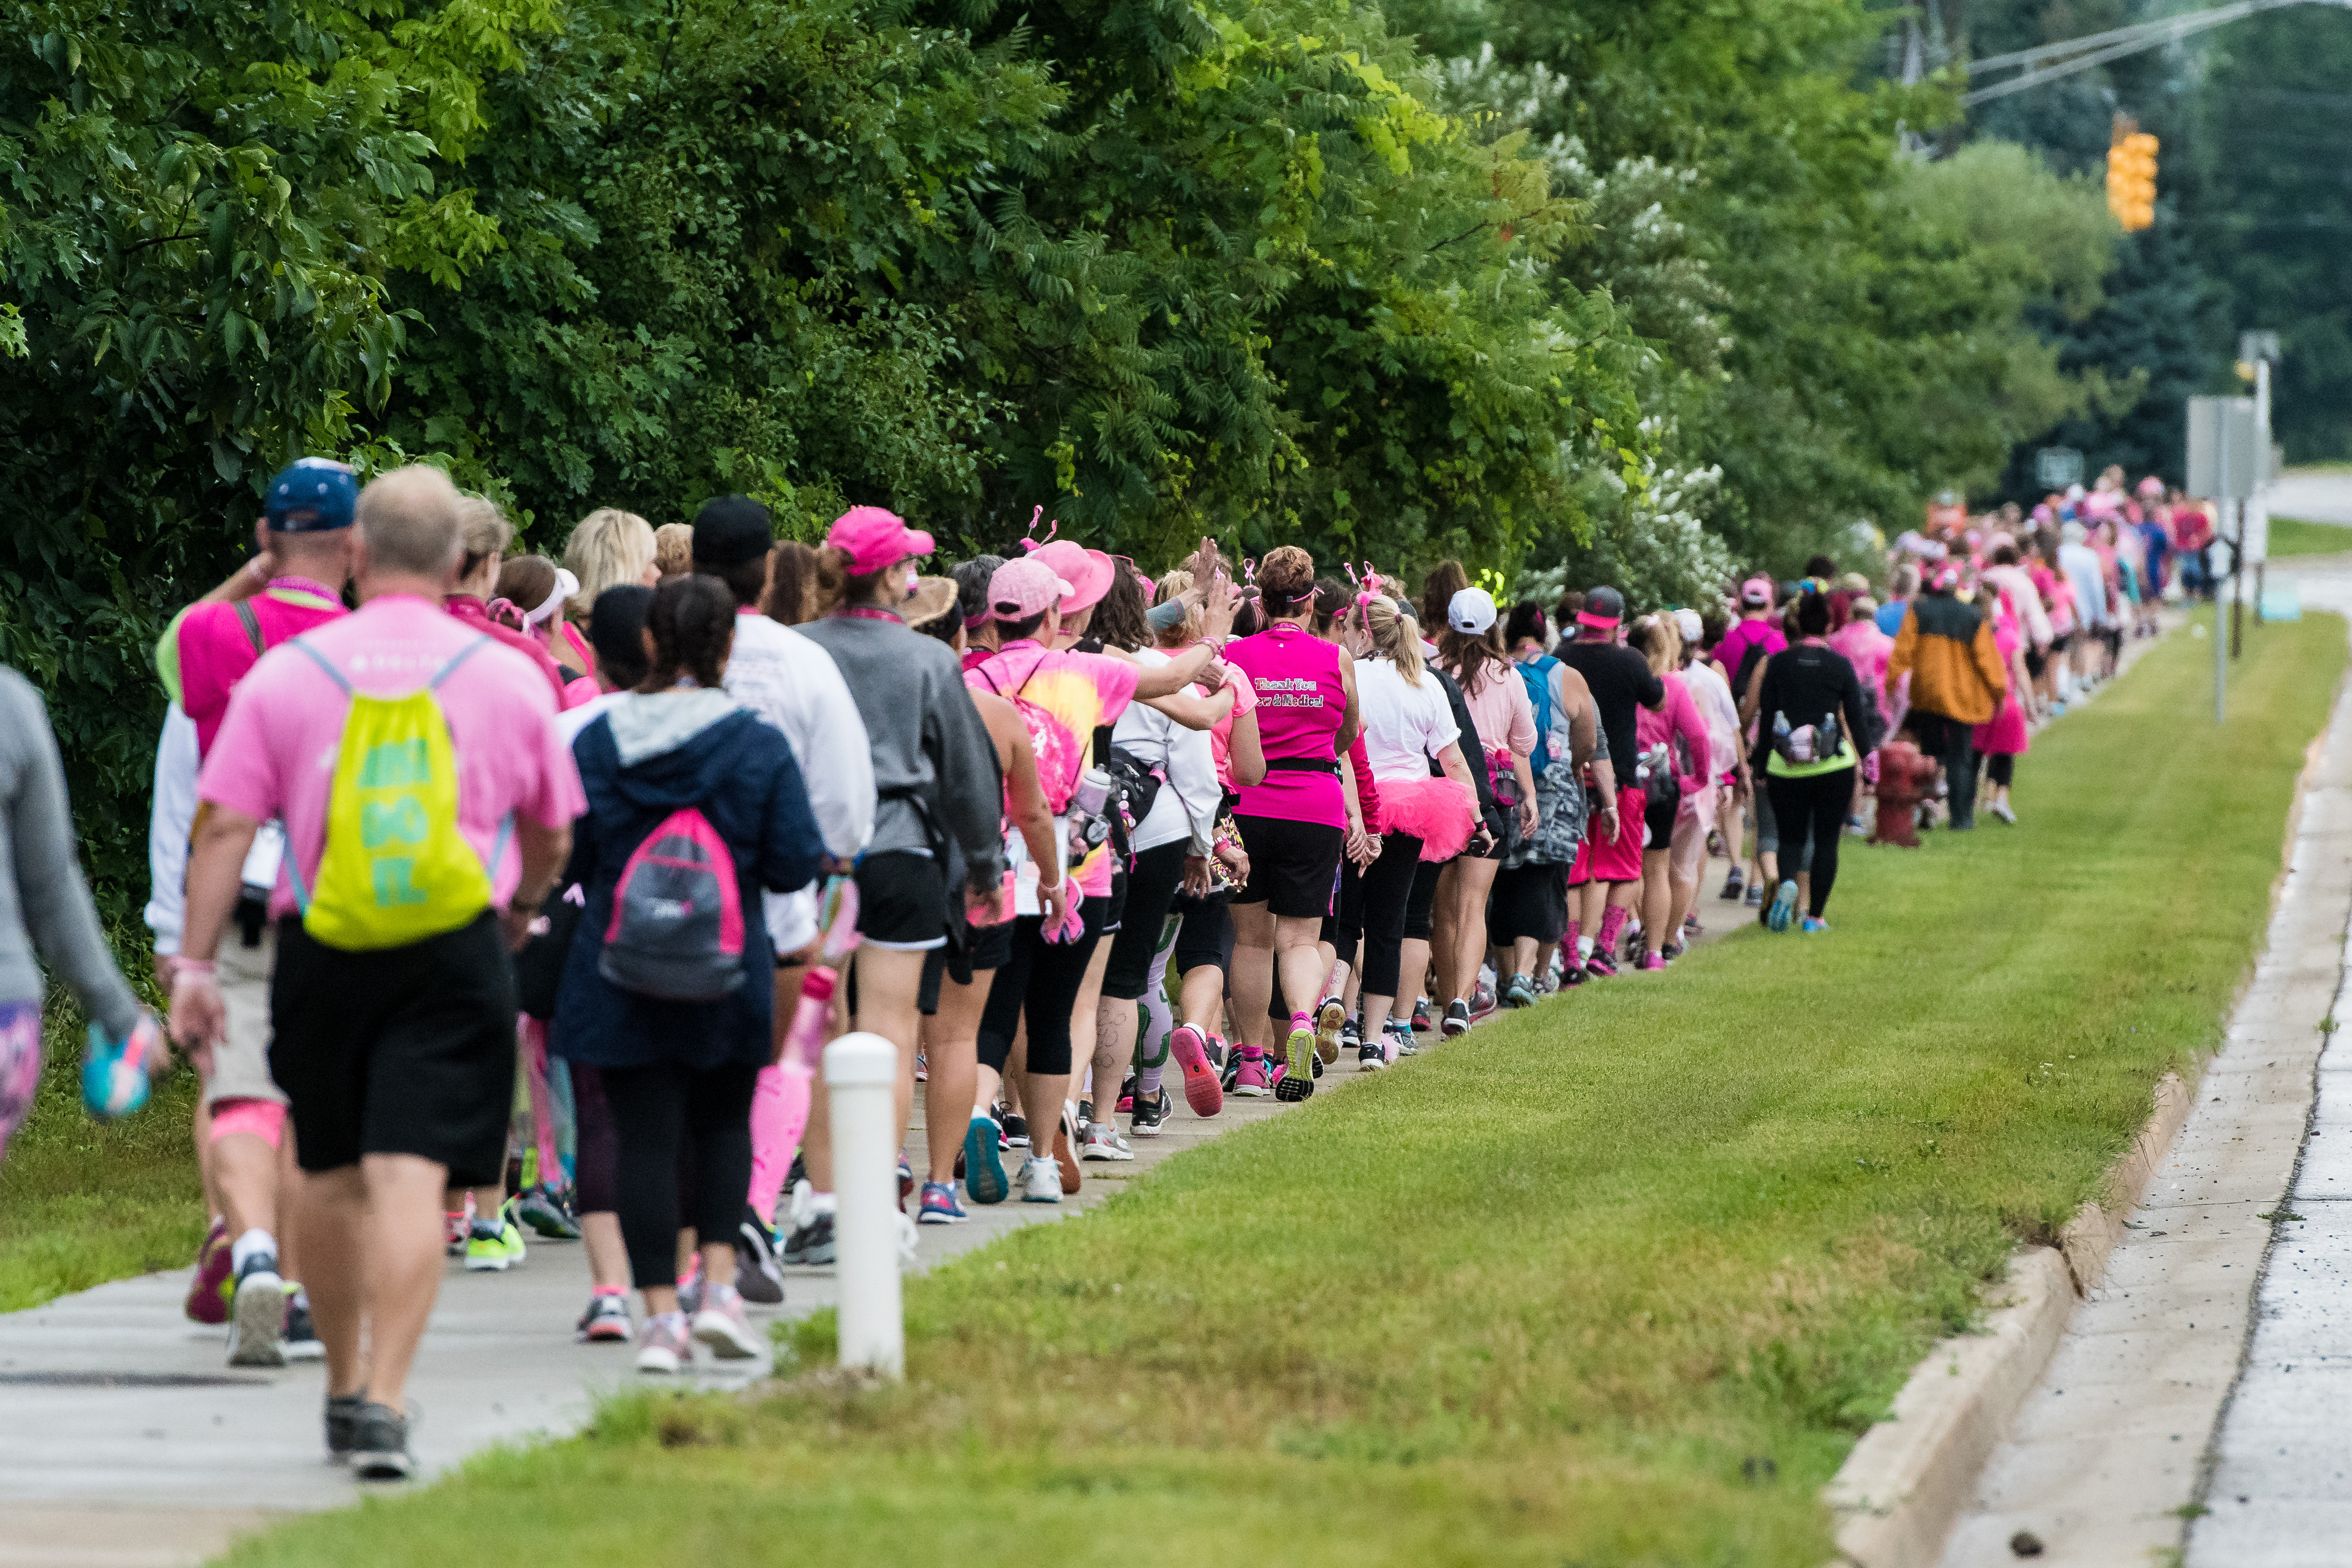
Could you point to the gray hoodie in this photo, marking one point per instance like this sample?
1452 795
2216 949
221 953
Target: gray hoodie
43 900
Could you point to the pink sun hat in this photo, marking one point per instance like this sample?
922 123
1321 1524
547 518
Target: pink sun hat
1088 572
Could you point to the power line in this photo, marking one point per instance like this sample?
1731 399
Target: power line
2073 55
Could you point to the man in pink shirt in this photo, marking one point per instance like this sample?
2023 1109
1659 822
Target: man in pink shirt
398 1060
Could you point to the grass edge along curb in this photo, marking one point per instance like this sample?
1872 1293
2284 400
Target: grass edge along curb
1622 1280
1909 1480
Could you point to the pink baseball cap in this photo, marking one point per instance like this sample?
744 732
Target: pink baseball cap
1022 588
1756 591
875 538
1089 572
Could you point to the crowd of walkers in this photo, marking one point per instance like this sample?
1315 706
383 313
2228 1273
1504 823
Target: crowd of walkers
520 898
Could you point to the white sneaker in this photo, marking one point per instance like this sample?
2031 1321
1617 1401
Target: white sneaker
1102 1141
1041 1182
666 1347
721 1326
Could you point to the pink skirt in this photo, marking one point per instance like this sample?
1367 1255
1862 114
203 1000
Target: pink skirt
1433 810
2006 736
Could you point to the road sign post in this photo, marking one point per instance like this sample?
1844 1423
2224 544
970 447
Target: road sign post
2224 466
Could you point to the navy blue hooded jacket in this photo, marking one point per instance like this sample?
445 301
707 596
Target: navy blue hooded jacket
681 749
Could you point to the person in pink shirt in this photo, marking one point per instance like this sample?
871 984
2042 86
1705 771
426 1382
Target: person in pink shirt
2005 739
1470 649
398 1060
1674 759
487 534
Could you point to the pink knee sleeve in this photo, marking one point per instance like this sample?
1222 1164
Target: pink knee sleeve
263 1119
780 1111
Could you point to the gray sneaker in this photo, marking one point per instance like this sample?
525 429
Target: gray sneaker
380 1445
257 1329
344 1424
1041 1182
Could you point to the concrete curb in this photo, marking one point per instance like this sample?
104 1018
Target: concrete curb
1898 1493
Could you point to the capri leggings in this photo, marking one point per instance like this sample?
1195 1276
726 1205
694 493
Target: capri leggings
1811 809
1388 889
1422 901
656 1110
595 1182
1039 984
1150 889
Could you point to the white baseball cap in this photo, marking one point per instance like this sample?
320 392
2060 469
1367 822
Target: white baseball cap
1471 611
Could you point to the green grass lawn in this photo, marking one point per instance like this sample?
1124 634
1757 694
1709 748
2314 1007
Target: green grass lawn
2290 536
1618 1280
81 1204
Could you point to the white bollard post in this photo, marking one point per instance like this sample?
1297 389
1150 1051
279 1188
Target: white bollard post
861 1073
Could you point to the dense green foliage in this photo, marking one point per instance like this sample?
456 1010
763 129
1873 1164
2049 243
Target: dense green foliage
1614 1281
1643 289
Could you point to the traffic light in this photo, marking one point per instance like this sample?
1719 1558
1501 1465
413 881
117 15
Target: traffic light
2131 176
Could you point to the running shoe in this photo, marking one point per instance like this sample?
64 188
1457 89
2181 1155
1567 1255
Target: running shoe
1371 1056
689 1289
1733 886
1482 1002
1102 1141
1250 1079
722 1328
1351 1035
1458 1018
983 1162
940 1206
209 1292
1813 925
344 1425
1065 1154
1651 963
667 1350
1407 1043
1521 993
2003 810
114 1073
1041 1182
1633 943
1572 975
810 1244
380 1445
1202 1090
1330 1019
1690 924
1756 897
1601 966
607 1320
493 1246
906 1183
1784 903
1127 1094
457 1229
1217 1051
1422 1021
1856 828
757 1273
1149 1114
548 1213
301 1341
256 1329
1015 1126
1298 1052
1673 950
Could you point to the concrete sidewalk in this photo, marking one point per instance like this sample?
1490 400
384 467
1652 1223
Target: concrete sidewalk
126 1443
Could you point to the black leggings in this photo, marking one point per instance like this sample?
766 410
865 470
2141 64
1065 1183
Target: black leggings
2001 769
655 1110
1150 889
1041 982
1387 888
595 1182
1812 807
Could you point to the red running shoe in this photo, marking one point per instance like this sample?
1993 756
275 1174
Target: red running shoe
1202 1090
208 1293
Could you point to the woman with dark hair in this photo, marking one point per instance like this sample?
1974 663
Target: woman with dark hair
1808 713
792 583
535 591
972 599
678 1035
1446 579
1294 824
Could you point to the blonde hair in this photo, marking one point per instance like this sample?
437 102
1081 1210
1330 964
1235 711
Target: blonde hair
674 548
1660 640
1394 636
1188 630
608 548
483 529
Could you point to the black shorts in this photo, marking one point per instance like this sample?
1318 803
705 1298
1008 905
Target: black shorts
406 1050
1658 816
2036 661
1205 940
984 948
902 901
1150 889
2062 642
1294 866
1529 901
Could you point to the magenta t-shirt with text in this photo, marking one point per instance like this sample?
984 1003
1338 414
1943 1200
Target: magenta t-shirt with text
276 754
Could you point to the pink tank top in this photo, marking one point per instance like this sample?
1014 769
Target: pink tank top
1301 704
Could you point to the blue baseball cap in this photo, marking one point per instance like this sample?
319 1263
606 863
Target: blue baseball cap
317 495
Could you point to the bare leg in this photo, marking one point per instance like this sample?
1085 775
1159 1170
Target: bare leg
1413 973
887 983
1252 979
954 1056
1657 900
608 1257
1461 890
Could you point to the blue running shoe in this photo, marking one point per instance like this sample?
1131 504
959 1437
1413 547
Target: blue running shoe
940 1206
114 1072
1784 904
985 1180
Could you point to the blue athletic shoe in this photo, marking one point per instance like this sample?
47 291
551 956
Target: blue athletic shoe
940 1206
1784 904
114 1081
983 1167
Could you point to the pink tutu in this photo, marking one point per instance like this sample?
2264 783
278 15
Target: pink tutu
2007 735
1433 810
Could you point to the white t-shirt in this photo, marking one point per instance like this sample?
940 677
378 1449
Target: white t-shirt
1404 726
1186 806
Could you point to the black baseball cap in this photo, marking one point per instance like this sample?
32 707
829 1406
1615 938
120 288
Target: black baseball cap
732 531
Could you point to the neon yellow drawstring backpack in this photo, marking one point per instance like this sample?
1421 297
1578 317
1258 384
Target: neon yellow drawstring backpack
395 869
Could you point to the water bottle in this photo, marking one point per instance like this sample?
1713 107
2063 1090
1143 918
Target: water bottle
1088 825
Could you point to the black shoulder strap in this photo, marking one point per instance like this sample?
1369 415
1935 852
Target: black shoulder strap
252 625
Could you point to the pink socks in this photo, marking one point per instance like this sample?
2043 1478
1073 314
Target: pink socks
1610 924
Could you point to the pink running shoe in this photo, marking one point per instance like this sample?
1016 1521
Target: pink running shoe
1652 962
1202 1090
1250 1082
209 1292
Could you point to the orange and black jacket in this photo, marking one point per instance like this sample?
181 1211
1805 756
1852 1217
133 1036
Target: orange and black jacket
1955 664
